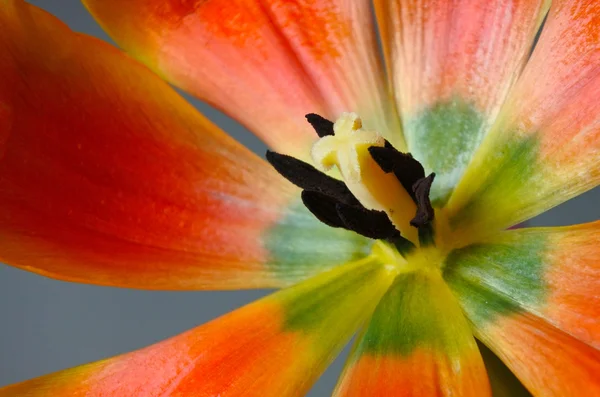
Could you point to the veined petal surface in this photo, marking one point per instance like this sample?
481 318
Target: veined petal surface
452 63
107 176
418 343
545 147
265 63
532 297
277 346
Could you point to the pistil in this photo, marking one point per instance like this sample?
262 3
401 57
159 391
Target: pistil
348 150
384 194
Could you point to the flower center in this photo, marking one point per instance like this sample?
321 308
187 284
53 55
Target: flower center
349 149
384 194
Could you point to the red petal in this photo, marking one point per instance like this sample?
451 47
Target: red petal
545 146
107 176
266 63
275 347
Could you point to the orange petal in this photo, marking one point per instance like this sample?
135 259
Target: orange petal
452 64
532 296
277 346
545 146
107 176
265 63
547 360
418 343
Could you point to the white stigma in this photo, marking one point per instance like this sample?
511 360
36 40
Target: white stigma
348 150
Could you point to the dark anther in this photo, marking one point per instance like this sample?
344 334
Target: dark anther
307 177
406 169
425 212
369 223
323 208
322 126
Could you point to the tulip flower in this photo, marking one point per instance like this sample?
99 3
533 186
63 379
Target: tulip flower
382 209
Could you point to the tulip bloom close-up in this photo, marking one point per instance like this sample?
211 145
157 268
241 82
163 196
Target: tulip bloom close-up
383 210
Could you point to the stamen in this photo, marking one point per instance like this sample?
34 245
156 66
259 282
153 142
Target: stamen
403 246
322 126
426 235
307 177
369 223
349 151
406 169
425 212
323 208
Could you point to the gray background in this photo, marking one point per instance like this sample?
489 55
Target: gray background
48 325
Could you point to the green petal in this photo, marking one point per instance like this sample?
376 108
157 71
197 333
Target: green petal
299 245
417 341
545 146
451 65
532 297
275 347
